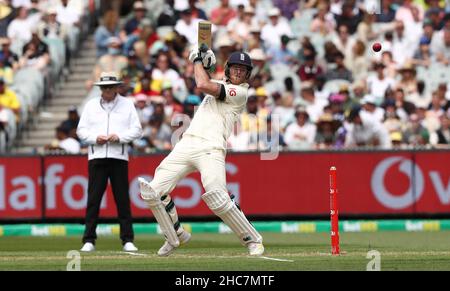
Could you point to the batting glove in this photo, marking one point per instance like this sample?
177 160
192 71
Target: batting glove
195 55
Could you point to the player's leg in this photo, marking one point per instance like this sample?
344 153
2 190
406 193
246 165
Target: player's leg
212 168
156 193
98 180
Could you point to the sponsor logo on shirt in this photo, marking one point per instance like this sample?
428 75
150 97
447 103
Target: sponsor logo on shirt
232 91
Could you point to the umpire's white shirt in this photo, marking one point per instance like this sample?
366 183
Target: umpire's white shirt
101 118
214 119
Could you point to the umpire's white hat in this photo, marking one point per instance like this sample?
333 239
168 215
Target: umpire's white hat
108 78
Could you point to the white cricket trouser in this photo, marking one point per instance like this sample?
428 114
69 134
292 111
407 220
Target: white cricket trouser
189 154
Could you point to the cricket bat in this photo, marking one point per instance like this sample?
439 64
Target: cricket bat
204 35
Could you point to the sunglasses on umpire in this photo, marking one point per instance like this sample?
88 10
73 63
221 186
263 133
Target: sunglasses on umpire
108 87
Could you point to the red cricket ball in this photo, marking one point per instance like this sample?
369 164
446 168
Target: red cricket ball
376 47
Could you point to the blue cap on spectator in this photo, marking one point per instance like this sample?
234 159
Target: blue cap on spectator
192 100
424 40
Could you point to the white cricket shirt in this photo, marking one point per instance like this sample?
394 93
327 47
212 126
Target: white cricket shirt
214 118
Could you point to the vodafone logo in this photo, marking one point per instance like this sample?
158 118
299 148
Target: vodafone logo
406 167
232 92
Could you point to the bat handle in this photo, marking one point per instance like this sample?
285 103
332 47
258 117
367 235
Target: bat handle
203 48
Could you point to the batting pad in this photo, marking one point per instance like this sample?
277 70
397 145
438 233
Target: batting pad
159 211
220 203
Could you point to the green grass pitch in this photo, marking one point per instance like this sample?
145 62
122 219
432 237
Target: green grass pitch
214 252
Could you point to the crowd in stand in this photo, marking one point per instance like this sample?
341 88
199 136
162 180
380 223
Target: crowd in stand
37 39
316 83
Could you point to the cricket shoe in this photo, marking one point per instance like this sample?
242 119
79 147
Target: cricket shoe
167 248
255 249
129 247
88 247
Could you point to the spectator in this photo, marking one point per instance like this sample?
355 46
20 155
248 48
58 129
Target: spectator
379 83
408 81
8 99
139 14
109 28
428 31
20 28
322 23
301 133
423 55
189 105
67 14
71 123
390 64
340 72
64 143
344 41
4 127
387 12
6 73
239 28
313 106
197 12
365 130
49 27
397 140
326 131
158 134
35 54
134 69
442 136
187 26
415 133
370 107
403 44
356 62
350 17
366 31
113 61
172 105
144 32
162 72
10 58
253 119
282 54
144 111
401 104
404 12
273 30
260 66
440 47
309 70
283 108
392 122
168 16
223 14
287 7
6 17
359 90
255 41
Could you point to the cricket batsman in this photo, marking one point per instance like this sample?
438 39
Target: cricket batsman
203 148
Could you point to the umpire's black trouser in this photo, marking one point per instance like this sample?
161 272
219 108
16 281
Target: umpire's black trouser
99 172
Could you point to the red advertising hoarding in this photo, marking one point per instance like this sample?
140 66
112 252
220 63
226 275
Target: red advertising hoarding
20 187
369 183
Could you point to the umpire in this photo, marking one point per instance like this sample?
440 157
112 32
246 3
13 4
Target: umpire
107 125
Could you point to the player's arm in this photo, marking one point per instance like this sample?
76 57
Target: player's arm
205 85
